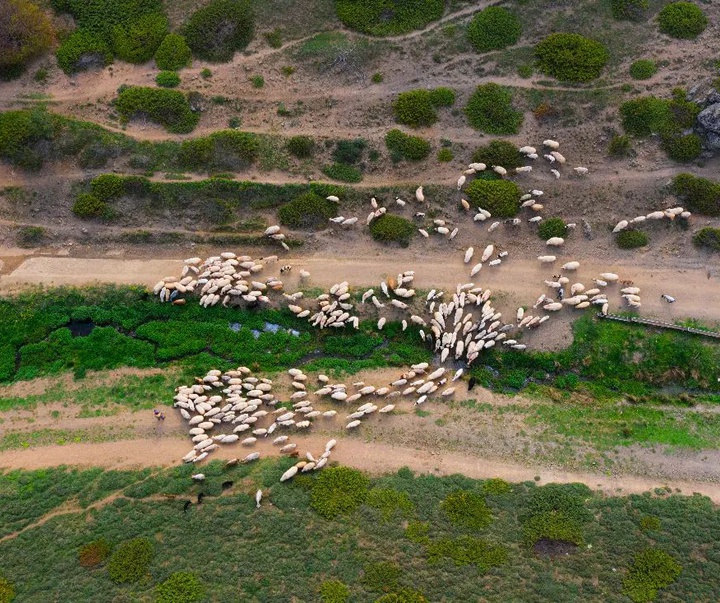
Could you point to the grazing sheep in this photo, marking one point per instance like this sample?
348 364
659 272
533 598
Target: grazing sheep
580 171
498 169
419 195
571 266
551 144
555 241
460 182
621 225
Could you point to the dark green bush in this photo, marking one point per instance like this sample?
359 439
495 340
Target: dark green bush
404 595
644 116
442 97
102 16
131 560
7 590
349 152
467 550
651 570
301 146
571 57
708 237
338 491
89 206
94 553
552 525
173 53
499 152
26 33
415 108
389 501
377 78
628 10
137 41
381 577
700 195
169 108
334 591
388 17
490 110
389 228
107 186
83 50
342 172
552 227
307 211
180 587
216 31
500 197
404 146
467 510
493 29
683 20
650 523
643 69
620 146
20 132
167 79
683 148
445 155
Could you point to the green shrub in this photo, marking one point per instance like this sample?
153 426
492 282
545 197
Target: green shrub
490 110
26 33
628 10
467 550
131 560
338 491
683 20
137 41
403 145
102 16
500 197
553 525
7 590
273 38
205 73
390 228
415 108
89 206
683 148
445 155
216 31
556 512
180 587
496 486
342 172
708 237
700 195
525 71
377 78
30 236
83 50
307 211
382 576
169 108
334 591
651 570
467 510
644 116
499 152
173 53
94 553
107 186
571 57
389 501
442 97
383 18
349 152
404 595
620 146
552 227
650 523
301 146
257 81
493 29
167 79
21 132
643 69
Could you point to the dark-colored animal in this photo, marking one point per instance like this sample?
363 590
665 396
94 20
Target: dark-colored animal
226 485
471 383
200 497
186 506
286 268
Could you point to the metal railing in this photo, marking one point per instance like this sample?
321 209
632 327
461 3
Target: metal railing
658 323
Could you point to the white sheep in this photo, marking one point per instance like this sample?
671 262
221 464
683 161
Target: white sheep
546 259
551 144
498 169
571 266
258 498
460 182
621 225
555 241
419 195
580 171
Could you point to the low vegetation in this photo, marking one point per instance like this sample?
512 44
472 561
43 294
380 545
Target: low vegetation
301 147
490 110
700 195
620 146
405 146
180 587
683 20
169 108
499 152
390 228
338 491
629 10
217 30
494 28
643 69
131 560
631 239
500 197
343 172
571 57
380 18
167 79
708 238
552 227
307 211
417 108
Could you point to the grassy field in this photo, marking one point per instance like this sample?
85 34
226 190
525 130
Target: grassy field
411 532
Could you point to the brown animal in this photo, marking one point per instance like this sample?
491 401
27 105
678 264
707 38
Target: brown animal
294 453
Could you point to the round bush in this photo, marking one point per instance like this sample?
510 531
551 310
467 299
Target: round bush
89 206
700 195
708 237
334 591
180 587
499 152
389 228
137 41
631 239
338 491
493 29
628 10
216 31
307 211
490 110
620 146
169 108
107 186
301 146
405 146
173 53
651 570
683 20
445 155
388 17
552 227
27 33
571 57
496 486
467 510
415 108
130 562
643 69
167 79
683 148
644 116
83 50
404 595
442 97
7 590
500 197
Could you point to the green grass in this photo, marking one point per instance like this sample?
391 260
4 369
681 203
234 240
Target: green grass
370 555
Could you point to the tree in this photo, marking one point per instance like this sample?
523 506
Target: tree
26 33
